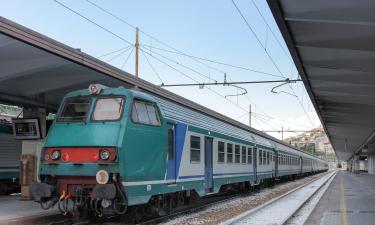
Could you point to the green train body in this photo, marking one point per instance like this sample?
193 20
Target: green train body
155 148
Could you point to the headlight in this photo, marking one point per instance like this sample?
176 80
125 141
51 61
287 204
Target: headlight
55 155
104 154
102 177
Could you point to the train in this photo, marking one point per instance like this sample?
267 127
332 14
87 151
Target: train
116 150
10 152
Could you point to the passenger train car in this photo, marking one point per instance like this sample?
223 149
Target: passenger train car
10 152
112 148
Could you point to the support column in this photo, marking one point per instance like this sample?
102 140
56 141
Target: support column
370 163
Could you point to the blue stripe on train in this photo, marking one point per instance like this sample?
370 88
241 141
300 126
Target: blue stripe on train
180 133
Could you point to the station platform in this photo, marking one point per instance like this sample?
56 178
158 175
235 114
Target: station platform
14 211
349 200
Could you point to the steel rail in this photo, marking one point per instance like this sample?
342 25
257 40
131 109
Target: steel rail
245 215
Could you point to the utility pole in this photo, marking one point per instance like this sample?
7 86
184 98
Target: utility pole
282 133
250 115
136 50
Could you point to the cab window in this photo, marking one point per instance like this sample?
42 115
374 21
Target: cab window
145 113
108 109
74 109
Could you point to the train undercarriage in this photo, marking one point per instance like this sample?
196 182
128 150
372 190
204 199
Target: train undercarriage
88 199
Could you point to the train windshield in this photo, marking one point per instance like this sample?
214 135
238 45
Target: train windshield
108 109
74 109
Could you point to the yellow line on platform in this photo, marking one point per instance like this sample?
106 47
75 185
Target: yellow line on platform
344 218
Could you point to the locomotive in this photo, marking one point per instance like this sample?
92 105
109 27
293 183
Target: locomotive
110 150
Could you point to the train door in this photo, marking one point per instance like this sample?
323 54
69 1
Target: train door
208 167
172 168
255 161
301 162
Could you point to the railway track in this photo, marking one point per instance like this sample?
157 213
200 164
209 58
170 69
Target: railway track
280 210
202 204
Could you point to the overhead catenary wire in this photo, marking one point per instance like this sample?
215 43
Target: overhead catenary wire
127 59
176 51
169 46
273 33
182 65
128 42
233 83
112 52
152 68
269 56
173 61
93 22
141 31
214 61
117 55
191 78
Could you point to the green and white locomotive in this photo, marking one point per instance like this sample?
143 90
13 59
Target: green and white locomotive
114 148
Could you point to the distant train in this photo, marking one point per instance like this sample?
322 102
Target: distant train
10 152
111 150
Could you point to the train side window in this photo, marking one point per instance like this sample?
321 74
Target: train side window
145 113
220 151
243 154
249 155
260 157
237 156
195 149
265 158
170 144
229 153
268 158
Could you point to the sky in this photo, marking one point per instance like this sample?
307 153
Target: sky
212 30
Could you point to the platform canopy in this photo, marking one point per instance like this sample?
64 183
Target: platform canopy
332 44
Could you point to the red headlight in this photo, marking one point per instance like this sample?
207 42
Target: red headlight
95 157
65 157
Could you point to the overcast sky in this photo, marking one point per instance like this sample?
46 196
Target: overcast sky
208 29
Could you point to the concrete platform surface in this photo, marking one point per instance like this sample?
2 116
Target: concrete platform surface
15 211
349 200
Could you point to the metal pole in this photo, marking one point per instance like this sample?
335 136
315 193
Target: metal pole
282 133
136 51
